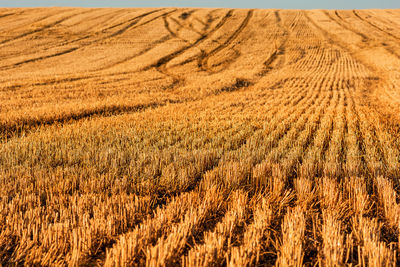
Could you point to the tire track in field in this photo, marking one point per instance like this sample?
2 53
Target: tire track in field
24 25
333 40
8 131
103 17
375 26
67 51
25 126
374 82
41 29
206 26
7 15
130 20
134 21
170 31
160 65
70 50
203 60
153 45
181 25
68 42
280 51
343 24
365 38
140 53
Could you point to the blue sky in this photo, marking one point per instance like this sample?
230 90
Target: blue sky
287 4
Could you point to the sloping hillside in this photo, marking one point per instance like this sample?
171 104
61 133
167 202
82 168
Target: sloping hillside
195 137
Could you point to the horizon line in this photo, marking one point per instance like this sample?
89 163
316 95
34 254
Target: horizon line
198 7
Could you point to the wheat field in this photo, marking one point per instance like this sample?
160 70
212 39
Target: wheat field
199 137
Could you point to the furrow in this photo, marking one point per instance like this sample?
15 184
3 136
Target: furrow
311 164
291 251
371 250
256 237
129 248
71 235
218 242
170 247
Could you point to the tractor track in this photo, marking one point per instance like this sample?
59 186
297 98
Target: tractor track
203 60
375 26
41 29
160 65
132 25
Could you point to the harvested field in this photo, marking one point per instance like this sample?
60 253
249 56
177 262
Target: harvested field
199 137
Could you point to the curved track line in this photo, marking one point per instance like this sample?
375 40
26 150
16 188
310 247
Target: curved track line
207 26
7 15
42 28
190 27
347 27
130 20
160 65
140 53
364 37
10 131
373 25
26 24
203 61
133 22
279 51
373 84
332 38
104 17
64 42
70 50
